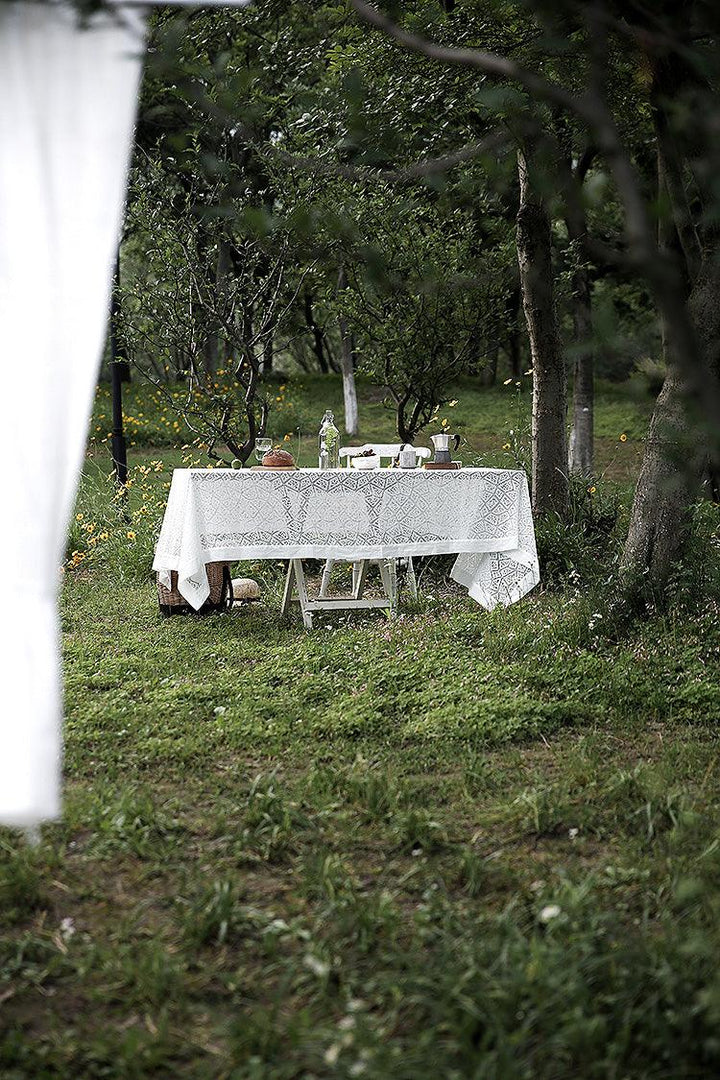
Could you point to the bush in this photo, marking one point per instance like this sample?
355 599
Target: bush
586 546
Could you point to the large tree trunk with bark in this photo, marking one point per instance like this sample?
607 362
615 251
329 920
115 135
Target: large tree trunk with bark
550 488
675 453
676 456
347 367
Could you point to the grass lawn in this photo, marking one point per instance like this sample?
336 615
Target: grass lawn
455 844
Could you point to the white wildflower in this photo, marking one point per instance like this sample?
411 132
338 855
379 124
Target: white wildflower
67 928
317 966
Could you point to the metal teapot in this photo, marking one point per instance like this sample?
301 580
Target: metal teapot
442 447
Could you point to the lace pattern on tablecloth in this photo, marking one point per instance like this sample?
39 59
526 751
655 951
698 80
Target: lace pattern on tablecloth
343 514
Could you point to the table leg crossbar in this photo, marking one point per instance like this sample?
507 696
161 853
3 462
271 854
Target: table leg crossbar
295 582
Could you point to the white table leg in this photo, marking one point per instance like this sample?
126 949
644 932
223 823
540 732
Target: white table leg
392 569
325 581
287 591
359 574
388 573
302 593
412 580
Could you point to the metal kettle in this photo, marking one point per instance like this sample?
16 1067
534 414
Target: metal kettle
442 447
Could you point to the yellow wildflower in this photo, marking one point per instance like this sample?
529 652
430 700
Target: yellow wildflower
623 437
592 489
131 535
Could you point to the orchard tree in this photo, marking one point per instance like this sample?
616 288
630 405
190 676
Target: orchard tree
673 50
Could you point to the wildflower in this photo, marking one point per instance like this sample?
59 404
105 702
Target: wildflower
79 517
444 422
549 912
592 490
506 446
131 534
317 966
287 438
332 1054
507 382
452 404
623 437
67 928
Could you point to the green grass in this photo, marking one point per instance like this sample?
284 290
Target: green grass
453 844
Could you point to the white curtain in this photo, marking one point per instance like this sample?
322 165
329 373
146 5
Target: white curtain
67 107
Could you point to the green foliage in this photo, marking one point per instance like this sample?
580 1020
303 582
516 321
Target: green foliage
586 546
497 842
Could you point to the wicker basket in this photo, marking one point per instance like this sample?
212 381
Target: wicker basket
172 602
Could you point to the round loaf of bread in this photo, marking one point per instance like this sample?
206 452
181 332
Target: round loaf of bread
278 459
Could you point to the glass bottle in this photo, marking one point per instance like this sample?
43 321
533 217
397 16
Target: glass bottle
328 443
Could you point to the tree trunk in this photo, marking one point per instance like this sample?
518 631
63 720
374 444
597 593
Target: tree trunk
675 457
513 337
268 352
318 342
213 346
347 367
488 375
582 432
550 488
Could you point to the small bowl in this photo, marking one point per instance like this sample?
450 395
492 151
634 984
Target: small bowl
370 462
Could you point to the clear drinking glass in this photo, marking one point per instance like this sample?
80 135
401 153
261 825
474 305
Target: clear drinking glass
261 448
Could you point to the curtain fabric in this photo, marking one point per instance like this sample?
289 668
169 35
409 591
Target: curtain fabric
67 108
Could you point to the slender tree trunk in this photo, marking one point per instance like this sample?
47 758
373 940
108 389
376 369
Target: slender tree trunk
268 352
512 313
318 343
582 432
347 367
213 349
550 488
488 375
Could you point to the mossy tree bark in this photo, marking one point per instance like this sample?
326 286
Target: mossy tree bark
550 487
676 451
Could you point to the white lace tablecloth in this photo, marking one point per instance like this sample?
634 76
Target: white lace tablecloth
225 514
